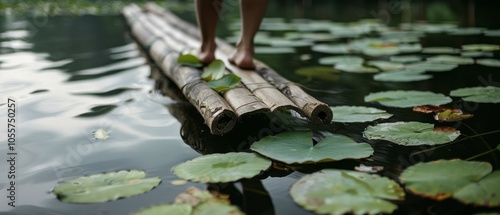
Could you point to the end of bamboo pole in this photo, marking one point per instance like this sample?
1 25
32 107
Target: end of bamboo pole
320 114
222 122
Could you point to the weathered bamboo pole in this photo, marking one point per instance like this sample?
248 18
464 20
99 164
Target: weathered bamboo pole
266 92
318 112
218 115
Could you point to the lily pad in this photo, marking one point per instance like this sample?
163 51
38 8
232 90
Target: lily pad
189 60
332 49
410 133
358 114
105 187
386 65
353 68
297 147
274 50
465 31
167 209
341 192
476 54
431 67
487 94
410 98
216 208
225 83
470 182
215 168
481 47
214 71
492 33
440 50
489 62
332 60
451 59
320 72
405 58
401 76
291 43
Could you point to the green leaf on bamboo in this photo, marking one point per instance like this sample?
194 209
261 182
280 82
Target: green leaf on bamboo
214 71
227 82
487 94
470 182
215 168
450 59
411 98
411 133
297 147
189 60
346 192
105 187
402 76
489 62
358 114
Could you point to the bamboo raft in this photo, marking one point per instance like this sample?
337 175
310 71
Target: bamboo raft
164 37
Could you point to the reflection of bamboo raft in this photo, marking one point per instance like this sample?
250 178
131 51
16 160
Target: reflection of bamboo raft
165 36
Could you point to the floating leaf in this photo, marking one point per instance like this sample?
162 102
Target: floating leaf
375 51
480 47
440 50
410 133
319 72
214 71
105 187
492 33
476 54
431 67
487 94
342 192
189 60
193 196
451 59
358 114
297 147
274 50
225 83
405 58
291 43
100 134
386 65
227 167
332 49
368 169
402 76
178 182
465 31
216 208
341 59
450 116
489 62
320 37
355 68
167 209
470 182
410 98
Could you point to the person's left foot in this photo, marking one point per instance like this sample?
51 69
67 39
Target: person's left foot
243 58
206 53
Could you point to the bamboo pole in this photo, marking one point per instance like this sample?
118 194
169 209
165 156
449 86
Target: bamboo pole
318 112
218 115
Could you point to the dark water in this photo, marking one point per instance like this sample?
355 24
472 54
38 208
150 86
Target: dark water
73 75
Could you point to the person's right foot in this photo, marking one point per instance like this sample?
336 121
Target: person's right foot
243 58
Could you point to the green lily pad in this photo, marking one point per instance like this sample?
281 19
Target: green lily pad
451 59
487 94
481 47
402 76
214 71
211 208
189 60
374 51
227 82
410 98
339 192
465 31
440 50
167 209
386 65
408 48
476 54
290 43
297 147
431 67
492 33
274 50
215 168
358 114
410 133
105 187
319 72
489 62
332 49
319 37
353 68
332 60
405 59
470 182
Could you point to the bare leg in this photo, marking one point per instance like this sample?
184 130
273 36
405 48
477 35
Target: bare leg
207 15
252 12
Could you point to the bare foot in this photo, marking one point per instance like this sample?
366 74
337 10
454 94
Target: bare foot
243 58
206 53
